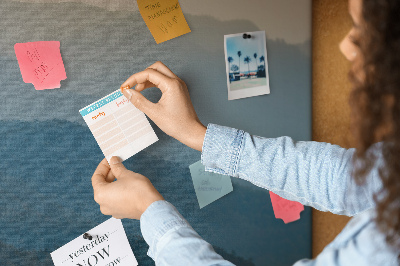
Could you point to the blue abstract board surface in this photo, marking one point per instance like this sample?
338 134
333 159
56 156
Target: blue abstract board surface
49 154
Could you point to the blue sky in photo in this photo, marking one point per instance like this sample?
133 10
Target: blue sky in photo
248 47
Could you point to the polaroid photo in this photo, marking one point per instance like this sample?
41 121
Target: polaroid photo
246 64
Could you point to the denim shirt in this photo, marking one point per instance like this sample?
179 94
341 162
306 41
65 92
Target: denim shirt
312 173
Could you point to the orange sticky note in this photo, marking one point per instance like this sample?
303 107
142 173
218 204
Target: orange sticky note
164 18
41 64
288 211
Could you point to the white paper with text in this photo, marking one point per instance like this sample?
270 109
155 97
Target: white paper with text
109 247
118 126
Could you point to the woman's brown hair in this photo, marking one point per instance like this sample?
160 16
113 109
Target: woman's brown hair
375 102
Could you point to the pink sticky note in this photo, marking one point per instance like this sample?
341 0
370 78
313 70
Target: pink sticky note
41 64
288 211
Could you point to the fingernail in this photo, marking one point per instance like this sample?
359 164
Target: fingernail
129 92
115 160
125 88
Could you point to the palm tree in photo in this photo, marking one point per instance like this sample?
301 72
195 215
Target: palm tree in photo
262 59
230 59
255 60
247 60
239 54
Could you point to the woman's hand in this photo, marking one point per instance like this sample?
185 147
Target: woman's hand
173 113
128 196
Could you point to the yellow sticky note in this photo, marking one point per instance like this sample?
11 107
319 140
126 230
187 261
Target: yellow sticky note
164 18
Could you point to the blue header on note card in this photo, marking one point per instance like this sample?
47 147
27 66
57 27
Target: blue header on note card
100 103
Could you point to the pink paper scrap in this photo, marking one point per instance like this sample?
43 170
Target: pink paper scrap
288 211
41 64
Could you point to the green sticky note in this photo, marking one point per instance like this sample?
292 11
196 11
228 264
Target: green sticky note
209 186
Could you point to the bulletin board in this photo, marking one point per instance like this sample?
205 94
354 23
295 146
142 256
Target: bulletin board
49 155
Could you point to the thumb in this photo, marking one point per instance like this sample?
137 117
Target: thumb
138 100
117 167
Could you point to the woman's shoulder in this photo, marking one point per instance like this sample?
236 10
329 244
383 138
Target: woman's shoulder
362 241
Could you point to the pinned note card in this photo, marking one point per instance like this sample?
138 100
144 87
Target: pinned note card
41 64
246 64
287 210
164 18
108 246
118 126
209 186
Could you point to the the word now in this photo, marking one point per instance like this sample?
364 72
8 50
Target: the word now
96 257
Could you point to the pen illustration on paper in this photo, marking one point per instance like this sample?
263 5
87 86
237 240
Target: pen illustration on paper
42 70
209 186
41 63
164 19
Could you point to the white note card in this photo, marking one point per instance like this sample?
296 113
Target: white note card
118 126
108 247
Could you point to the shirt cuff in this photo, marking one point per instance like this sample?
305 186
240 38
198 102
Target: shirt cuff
158 219
221 151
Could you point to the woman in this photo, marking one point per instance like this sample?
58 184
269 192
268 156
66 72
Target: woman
316 174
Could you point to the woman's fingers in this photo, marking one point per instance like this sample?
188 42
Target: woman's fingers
110 177
143 86
174 113
100 174
159 80
140 102
160 67
157 66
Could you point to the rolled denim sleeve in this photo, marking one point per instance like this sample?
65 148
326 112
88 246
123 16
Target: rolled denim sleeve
312 173
172 241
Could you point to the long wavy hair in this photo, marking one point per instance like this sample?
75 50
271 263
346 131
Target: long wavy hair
375 103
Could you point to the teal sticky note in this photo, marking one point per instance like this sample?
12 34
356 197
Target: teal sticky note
209 186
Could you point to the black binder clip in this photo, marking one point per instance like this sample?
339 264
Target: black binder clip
88 236
246 36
